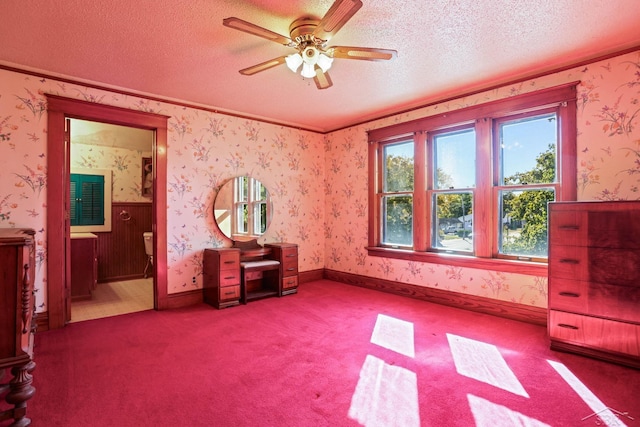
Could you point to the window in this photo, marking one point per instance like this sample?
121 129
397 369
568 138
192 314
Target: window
87 199
397 194
527 182
90 200
471 187
250 207
454 177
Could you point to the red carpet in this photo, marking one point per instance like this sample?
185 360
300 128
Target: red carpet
312 359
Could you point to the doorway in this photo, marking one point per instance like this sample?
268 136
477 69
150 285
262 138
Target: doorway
58 223
113 165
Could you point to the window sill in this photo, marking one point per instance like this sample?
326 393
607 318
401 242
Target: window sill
507 266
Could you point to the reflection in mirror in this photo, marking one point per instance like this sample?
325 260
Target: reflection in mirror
242 209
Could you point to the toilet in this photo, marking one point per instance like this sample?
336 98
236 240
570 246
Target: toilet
148 248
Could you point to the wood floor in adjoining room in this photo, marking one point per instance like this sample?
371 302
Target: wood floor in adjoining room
115 298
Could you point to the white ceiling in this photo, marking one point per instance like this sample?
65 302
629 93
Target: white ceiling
108 135
179 50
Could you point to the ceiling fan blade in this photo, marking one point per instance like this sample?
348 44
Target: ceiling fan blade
338 15
249 71
248 27
366 53
322 80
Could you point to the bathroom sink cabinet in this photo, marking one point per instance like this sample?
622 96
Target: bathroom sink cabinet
84 265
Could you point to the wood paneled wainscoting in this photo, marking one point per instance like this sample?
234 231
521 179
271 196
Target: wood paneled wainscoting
121 254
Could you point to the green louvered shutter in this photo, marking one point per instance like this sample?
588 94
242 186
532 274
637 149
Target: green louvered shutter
87 199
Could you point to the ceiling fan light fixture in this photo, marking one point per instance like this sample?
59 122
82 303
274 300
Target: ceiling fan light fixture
310 55
308 70
324 62
294 61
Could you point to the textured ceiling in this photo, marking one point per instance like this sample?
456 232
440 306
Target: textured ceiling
179 49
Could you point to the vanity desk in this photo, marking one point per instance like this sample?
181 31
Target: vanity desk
246 273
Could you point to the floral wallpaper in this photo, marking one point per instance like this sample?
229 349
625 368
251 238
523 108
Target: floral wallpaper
204 150
608 169
125 166
318 182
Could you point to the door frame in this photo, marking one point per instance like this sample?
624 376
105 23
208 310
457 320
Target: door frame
58 152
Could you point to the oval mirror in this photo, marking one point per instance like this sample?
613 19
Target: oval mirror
242 209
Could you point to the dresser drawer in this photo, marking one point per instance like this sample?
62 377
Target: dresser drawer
602 228
290 267
595 332
603 265
568 295
614 229
569 262
228 293
568 228
229 260
614 301
229 277
290 282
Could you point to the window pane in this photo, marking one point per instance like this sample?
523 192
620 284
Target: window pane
260 218
397 224
242 189
528 149
398 167
260 191
242 214
455 159
523 230
453 221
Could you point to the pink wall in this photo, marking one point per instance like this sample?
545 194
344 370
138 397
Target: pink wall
318 183
608 169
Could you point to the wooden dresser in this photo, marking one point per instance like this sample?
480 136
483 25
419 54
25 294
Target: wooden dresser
594 279
17 327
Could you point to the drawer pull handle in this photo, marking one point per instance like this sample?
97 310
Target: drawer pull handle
229 262
564 325
569 227
291 255
230 277
290 269
229 293
569 261
569 294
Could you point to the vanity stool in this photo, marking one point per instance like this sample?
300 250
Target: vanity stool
259 279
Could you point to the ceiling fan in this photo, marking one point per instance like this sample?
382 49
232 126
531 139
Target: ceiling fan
309 37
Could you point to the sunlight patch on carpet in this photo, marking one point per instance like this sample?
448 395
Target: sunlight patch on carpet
483 362
394 334
385 396
489 414
603 414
